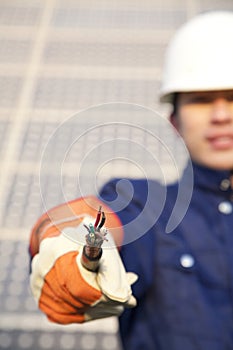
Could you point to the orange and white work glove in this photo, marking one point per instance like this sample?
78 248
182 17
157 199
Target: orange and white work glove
67 292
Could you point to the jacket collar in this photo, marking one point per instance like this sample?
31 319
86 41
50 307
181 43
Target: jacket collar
210 179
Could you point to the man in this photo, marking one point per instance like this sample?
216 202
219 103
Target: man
183 298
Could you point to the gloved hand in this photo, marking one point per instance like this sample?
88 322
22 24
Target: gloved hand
69 293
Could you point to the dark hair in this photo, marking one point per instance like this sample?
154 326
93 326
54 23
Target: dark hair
174 103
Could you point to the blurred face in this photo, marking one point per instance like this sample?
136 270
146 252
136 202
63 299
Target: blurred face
205 121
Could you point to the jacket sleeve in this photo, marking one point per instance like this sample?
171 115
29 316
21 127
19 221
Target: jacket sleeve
138 212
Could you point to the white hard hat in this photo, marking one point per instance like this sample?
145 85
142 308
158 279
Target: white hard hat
200 56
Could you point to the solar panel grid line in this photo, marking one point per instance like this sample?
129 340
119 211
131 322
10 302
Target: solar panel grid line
115 36
25 96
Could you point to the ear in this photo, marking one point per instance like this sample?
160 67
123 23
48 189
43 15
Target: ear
174 121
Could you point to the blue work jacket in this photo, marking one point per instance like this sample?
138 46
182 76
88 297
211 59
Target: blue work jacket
185 285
